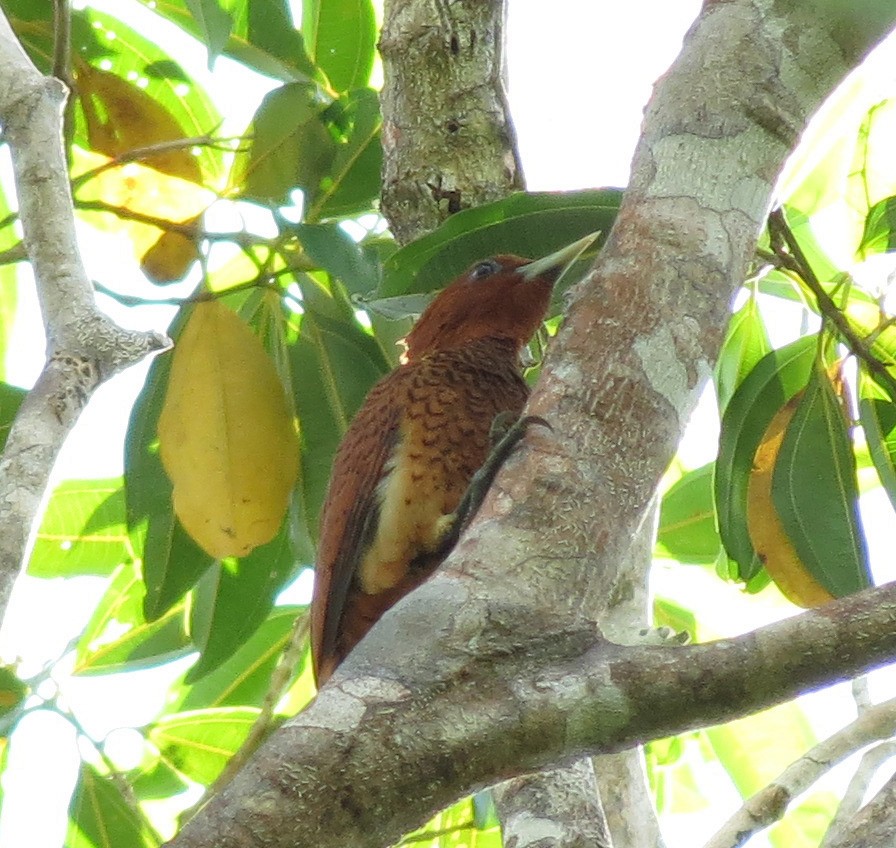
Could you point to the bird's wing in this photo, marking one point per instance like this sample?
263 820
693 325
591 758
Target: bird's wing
351 511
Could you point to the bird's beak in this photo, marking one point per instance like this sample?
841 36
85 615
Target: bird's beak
558 260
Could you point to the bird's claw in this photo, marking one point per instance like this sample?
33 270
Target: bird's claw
482 480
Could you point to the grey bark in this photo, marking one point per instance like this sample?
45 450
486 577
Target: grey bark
875 824
84 347
391 740
559 807
447 136
449 144
769 804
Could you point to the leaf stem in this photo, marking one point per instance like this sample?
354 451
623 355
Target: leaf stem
790 256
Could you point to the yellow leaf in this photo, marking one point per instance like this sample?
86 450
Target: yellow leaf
169 259
226 436
142 190
767 534
121 117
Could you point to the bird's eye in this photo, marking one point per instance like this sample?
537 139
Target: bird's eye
484 269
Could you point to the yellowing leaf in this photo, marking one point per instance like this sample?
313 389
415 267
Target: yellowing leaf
226 436
771 543
121 117
169 259
139 189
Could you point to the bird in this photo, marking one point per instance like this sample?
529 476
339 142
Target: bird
408 456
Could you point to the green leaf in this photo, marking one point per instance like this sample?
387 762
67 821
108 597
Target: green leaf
777 377
526 224
815 492
160 782
879 235
461 824
172 561
352 184
341 38
11 398
687 530
755 750
291 147
262 36
13 693
82 531
334 365
214 24
119 638
400 306
746 342
330 247
233 598
877 414
33 24
199 744
100 816
807 822
244 678
872 177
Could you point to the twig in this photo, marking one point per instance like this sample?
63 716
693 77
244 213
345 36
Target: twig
795 261
264 723
855 792
140 154
84 346
769 804
113 772
874 824
62 41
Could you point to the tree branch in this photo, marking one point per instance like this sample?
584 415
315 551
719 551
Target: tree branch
561 808
855 793
505 712
84 347
460 150
874 824
769 804
796 262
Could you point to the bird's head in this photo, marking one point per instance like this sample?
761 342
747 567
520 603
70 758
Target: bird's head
504 297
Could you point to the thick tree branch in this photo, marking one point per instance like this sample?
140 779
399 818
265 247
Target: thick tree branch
560 808
83 346
855 793
504 712
493 668
459 149
449 144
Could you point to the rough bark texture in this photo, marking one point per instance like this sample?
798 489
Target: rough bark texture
874 824
493 668
374 756
559 808
83 346
622 777
457 149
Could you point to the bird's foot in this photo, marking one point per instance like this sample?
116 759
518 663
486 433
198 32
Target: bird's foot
505 435
663 636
